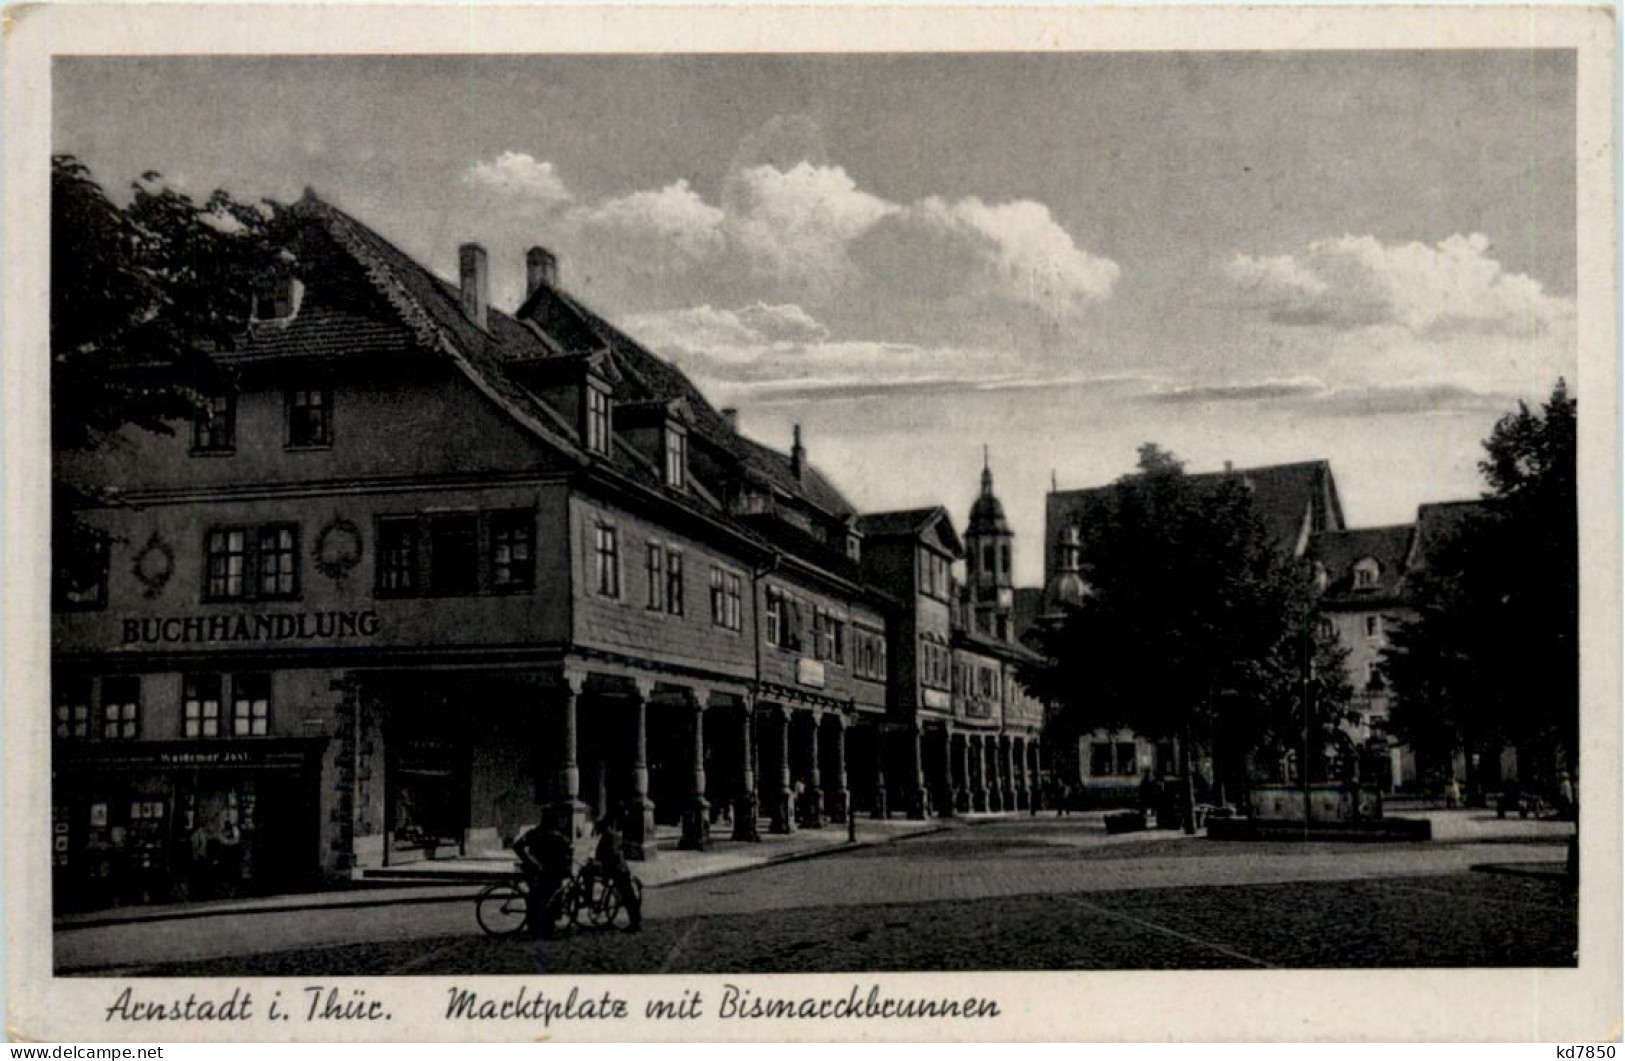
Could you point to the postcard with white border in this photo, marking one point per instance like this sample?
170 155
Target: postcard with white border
811 523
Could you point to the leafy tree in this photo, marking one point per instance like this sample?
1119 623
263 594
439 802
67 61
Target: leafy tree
141 296
1192 622
1492 657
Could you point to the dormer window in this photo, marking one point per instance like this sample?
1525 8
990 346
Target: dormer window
854 547
598 427
676 448
1365 574
277 298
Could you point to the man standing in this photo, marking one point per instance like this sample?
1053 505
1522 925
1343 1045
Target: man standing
547 858
612 861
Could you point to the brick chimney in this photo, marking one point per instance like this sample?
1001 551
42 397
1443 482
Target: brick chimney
474 274
541 267
731 416
798 455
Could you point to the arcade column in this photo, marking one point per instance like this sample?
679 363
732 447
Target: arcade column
880 811
569 813
1007 772
697 818
978 770
640 810
918 802
812 797
781 813
836 798
745 801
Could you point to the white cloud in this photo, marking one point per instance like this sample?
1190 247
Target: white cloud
734 337
797 224
1451 287
517 174
675 215
1026 256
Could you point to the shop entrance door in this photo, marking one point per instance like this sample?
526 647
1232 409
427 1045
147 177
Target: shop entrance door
427 796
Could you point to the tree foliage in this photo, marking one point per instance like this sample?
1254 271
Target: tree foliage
1195 619
1492 657
141 296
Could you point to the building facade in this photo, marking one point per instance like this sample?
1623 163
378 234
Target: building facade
426 573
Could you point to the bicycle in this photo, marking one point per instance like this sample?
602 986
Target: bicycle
597 897
503 909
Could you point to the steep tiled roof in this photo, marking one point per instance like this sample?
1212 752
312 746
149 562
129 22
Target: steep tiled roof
904 523
1339 551
429 306
799 543
1437 523
1282 493
973 639
770 467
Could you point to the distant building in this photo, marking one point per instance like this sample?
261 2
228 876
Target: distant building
966 731
1296 502
1361 577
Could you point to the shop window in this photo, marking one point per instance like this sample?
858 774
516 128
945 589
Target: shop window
513 550
310 417
398 555
1128 759
674 582
81 572
121 708
1100 759
214 429
250 705
225 562
454 555
278 561
71 709
200 706
607 551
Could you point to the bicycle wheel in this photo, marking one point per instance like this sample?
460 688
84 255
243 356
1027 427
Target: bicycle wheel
610 904
561 908
502 909
592 899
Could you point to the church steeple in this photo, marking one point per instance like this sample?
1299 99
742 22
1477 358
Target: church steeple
988 545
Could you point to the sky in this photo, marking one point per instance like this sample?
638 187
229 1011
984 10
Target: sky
1247 257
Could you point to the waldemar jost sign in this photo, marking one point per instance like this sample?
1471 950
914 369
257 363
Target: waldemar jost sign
275 626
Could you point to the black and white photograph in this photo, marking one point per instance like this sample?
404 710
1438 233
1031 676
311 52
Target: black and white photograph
755 512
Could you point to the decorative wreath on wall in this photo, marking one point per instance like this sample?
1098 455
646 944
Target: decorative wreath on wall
338 549
154 565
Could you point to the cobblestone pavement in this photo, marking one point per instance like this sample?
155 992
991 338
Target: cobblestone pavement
1006 895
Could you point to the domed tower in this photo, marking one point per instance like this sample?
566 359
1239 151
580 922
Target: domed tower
1068 586
988 542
